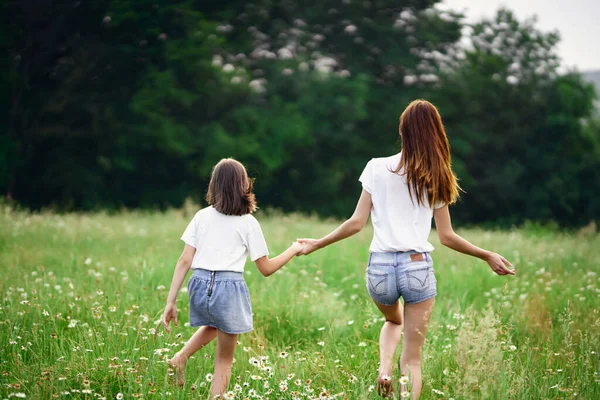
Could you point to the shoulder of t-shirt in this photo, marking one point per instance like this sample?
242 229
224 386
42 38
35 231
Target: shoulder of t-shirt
387 163
250 222
204 212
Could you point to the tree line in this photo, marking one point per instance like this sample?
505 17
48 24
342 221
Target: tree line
130 103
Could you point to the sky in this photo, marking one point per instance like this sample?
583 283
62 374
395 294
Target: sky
578 22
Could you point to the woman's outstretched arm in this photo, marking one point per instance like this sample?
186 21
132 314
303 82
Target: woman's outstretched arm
450 239
352 226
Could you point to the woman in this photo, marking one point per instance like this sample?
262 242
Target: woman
402 193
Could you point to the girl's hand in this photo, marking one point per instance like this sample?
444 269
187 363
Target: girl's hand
298 248
310 245
170 314
499 264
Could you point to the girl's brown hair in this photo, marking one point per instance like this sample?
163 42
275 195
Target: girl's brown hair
425 160
230 189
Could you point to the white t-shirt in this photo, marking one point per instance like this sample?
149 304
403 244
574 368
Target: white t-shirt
223 242
400 224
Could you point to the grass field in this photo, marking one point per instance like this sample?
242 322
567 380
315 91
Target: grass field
82 293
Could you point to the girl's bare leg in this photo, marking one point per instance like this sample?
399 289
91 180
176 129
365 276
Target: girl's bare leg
203 336
388 342
416 319
223 361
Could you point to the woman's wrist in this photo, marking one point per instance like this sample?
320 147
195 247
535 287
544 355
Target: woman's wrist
485 256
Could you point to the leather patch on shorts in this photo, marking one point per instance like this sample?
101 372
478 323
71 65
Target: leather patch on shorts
417 257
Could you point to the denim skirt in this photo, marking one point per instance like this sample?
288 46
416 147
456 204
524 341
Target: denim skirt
409 275
220 299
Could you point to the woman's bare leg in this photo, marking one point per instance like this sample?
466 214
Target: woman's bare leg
416 321
223 361
391 331
203 336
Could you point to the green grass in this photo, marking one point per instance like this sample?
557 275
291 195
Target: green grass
81 294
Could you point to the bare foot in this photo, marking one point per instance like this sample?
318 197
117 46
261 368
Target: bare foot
178 363
384 385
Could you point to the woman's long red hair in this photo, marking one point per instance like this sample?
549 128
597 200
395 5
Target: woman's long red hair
425 160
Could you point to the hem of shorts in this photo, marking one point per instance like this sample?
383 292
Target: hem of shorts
383 304
195 325
421 299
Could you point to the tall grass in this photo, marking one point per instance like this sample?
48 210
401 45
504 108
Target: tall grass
82 294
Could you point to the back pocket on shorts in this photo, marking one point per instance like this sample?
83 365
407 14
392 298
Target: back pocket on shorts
377 282
419 279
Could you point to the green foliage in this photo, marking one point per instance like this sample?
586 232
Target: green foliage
130 103
516 127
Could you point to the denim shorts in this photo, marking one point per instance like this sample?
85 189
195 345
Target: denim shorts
408 275
220 299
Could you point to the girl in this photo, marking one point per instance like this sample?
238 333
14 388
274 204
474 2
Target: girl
217 243
402 193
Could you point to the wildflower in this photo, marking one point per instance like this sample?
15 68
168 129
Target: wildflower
119 396
437 392
321 344
512 347
354 379
112 308
362 344
229 395
405 394
403 380
283 354
371 388
209 377
350 322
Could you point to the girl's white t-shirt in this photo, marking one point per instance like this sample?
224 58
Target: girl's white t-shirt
223 242
400 224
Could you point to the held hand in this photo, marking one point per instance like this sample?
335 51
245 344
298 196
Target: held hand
310 245
499 264
170 314
297 247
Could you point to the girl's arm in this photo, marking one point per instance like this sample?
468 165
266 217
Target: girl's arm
352 226
268 266
450 239
181 269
